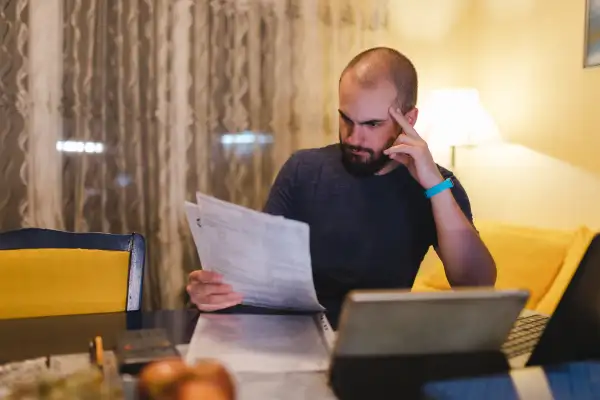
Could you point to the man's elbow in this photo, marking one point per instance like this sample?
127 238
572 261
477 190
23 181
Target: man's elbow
479 274
486 275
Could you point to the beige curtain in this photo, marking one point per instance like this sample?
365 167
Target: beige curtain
114 112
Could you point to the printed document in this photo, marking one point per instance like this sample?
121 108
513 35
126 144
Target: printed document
260 343
265 258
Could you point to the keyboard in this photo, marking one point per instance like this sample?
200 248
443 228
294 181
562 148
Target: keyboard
524 335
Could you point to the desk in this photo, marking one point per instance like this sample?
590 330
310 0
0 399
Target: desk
23 339
36 337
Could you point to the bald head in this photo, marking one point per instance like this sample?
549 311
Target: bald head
380 65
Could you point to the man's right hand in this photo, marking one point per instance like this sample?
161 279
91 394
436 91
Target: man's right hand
208 292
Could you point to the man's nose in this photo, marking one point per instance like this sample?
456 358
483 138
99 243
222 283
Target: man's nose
355 136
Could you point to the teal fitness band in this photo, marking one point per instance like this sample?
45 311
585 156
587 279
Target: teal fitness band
440 187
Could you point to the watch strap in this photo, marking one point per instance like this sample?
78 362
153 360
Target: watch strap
440 187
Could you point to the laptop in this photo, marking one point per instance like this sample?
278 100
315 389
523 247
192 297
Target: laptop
401 322
572 333
392 341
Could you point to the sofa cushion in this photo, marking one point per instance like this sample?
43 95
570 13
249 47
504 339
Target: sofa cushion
575 253
526 258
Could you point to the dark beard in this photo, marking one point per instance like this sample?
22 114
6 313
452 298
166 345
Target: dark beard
362 169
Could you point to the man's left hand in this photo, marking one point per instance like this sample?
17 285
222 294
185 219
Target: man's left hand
412 151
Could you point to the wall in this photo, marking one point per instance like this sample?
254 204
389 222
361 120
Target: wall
437 42
512 183
528 67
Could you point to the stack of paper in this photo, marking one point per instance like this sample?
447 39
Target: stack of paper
260 343
263 257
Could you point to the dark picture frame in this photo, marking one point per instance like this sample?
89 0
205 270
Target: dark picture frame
592 34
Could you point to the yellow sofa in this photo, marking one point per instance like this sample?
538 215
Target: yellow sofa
539 260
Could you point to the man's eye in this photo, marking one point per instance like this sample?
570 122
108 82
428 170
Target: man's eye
372 124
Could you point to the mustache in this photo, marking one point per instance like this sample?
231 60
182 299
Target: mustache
357 148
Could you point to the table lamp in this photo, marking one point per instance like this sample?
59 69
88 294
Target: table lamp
455 118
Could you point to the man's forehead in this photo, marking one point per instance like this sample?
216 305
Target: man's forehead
366 107
365 116
361 102
383 92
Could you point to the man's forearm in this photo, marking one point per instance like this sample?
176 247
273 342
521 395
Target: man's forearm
466 259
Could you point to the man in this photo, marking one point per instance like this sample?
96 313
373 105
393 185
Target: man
376 201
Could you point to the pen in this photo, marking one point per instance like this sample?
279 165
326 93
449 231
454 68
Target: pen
99 352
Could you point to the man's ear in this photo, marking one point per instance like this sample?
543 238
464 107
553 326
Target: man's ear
412 116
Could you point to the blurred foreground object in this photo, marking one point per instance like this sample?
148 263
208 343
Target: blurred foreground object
172 379
86 384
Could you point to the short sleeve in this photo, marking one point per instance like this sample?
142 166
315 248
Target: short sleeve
282 198
460 195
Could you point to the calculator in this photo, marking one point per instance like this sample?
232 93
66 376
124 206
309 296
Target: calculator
138 348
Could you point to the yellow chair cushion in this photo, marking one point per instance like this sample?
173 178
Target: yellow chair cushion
46 282
526 258
575 253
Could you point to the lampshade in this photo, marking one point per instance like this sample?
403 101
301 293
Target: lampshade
455 117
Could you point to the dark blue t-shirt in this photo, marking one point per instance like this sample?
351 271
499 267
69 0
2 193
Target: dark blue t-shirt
365 233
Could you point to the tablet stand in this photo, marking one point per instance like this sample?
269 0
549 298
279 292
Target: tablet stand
382 377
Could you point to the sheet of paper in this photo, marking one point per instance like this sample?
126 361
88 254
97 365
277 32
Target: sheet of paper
260 343
265 258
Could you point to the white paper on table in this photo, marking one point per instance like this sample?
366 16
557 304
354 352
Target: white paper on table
260 343
263 257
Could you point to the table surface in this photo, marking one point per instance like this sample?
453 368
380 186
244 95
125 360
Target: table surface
26 338
23 339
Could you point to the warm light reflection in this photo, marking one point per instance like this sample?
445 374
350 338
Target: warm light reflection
246 137
73 146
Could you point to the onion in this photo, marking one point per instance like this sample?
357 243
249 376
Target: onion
172 379
156 377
